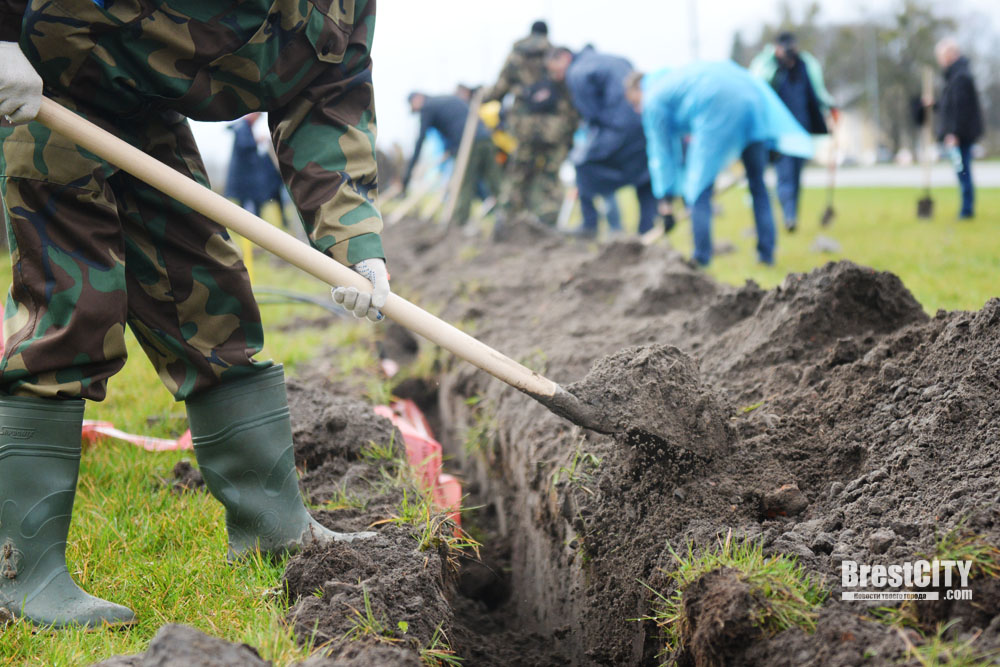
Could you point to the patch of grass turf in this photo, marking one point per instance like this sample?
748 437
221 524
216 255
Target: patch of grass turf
938 650
790 596
962 544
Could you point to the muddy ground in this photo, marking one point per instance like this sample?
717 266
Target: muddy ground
883 418
830 418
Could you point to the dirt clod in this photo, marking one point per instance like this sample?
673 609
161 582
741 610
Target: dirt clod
718 619
328 427
176 645
187 478
786 500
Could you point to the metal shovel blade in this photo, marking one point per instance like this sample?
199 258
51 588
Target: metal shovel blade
925 208
828 216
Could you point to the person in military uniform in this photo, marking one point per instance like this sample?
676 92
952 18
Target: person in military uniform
542 119
93 249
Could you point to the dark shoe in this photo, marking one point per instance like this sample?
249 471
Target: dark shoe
791 225
242 437
39 466
499 233
582 233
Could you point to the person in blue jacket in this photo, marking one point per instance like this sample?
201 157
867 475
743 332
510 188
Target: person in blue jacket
613 154
797 78
721 112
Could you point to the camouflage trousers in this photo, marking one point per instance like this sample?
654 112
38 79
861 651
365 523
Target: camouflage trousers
92 249
531 182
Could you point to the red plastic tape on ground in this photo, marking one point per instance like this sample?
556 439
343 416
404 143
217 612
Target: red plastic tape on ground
448 495
95 431
424 454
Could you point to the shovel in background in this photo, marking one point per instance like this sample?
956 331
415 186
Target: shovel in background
830 214
216 207
658 232
462 159
925 205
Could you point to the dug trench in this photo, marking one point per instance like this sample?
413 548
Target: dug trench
826 420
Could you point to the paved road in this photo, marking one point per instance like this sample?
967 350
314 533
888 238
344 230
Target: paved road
984 174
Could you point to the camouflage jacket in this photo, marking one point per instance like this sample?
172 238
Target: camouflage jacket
306 62
542 112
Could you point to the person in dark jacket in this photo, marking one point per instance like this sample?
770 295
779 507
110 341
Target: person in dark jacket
613 154
448 114
252 179
798 79
960 118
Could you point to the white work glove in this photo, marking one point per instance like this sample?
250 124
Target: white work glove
366 304
20 85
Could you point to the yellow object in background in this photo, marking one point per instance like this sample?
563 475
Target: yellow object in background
247 248
489 113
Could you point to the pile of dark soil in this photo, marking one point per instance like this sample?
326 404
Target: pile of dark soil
829 418
387 579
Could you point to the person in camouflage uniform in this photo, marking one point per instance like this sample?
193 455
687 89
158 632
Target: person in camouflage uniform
93 249
542 120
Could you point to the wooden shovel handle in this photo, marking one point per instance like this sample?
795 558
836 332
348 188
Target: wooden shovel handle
312 261
462 159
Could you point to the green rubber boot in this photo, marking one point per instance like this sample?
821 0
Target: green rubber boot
39 465
242 438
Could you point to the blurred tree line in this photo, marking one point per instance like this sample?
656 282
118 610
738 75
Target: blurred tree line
875 65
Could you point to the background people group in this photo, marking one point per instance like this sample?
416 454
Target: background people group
686 134
694 121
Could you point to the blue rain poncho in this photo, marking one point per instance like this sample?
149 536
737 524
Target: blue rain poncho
721 109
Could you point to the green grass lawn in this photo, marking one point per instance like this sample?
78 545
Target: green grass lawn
945 263
136 543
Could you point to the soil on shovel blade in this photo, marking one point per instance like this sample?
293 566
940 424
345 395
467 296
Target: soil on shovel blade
829 419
